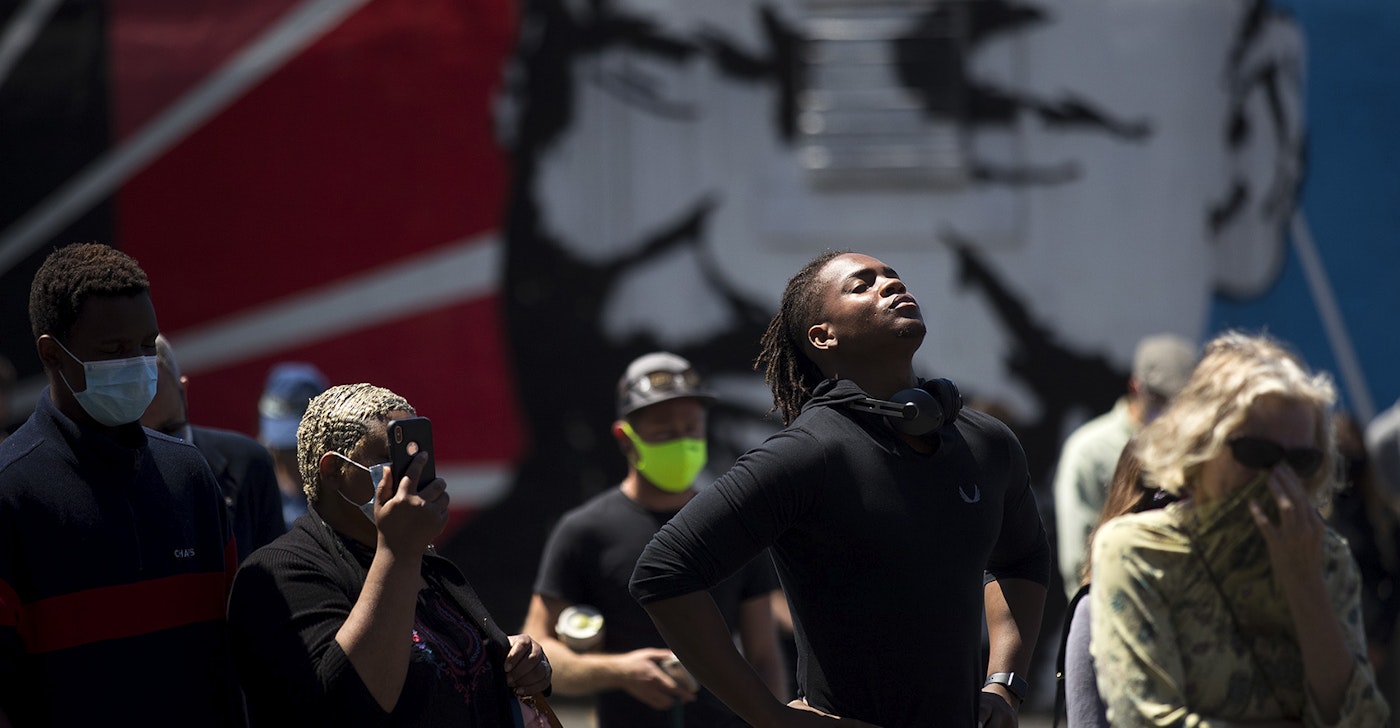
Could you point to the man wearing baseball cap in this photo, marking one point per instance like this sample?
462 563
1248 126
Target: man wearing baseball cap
588 560
1161 365
290 386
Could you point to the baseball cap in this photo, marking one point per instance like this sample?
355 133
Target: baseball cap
290 386
1163 363
657 377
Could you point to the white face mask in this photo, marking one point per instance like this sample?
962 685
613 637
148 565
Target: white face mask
376 475
118 390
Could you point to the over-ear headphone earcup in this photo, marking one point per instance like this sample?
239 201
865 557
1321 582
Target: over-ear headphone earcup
927 418
917 410
947 395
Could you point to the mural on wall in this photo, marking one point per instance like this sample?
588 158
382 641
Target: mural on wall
523 196
673 163
310 180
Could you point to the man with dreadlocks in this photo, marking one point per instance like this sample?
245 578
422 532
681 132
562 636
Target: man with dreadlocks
882 539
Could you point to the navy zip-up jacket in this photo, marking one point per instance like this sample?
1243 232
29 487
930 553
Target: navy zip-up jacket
115 564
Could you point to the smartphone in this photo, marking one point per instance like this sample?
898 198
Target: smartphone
407 437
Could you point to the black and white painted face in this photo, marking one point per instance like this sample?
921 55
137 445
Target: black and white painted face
1112 165
1121 161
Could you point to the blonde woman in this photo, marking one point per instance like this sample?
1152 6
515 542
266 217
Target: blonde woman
1236 604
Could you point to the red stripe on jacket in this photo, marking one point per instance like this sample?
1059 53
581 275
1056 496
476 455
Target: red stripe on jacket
126 610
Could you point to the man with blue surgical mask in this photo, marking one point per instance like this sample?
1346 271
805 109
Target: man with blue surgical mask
660 428
117 551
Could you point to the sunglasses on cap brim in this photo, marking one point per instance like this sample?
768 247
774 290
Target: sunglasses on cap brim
665 382
1264 454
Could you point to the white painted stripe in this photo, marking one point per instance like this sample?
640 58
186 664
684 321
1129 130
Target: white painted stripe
299 28
475 484
21 32
479 485
456 273
1353 378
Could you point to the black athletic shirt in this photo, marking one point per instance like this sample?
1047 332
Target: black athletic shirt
881 551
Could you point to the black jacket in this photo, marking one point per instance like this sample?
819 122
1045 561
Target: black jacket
291 597
244 470
115 559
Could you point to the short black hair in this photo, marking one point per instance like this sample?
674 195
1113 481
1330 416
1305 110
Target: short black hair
73 274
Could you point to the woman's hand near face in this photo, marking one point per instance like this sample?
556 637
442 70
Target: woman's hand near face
1295 546
1295 541
409 519
373 636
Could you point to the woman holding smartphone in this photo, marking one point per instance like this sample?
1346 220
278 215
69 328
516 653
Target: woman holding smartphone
350 618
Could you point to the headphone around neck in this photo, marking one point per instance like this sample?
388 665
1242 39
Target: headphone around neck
917 410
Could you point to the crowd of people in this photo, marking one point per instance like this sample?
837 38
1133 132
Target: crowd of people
1229 538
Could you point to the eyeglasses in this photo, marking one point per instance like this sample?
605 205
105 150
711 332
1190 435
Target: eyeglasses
665 382
1262 453
1153 499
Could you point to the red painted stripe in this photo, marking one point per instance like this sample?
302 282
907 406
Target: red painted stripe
416 76
162 48
128 610
477 419
9 605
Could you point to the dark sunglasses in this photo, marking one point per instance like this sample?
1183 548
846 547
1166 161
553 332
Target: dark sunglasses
1261 453
1152 500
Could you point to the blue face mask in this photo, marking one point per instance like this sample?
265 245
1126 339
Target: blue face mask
376 476
118 390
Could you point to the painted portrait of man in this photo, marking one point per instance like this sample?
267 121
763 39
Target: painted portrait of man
1052 179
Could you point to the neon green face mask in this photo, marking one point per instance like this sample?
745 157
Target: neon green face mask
671 465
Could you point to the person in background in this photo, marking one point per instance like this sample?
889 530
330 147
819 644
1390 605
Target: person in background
1079 691
661 429
1237 603
8 379
882 535
1383 450
1161 365
1367 519
290 385
115 550
350 618
242 466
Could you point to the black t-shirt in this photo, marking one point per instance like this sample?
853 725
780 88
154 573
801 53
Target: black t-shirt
589 560
881 551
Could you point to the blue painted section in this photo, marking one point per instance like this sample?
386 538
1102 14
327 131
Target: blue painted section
1351 195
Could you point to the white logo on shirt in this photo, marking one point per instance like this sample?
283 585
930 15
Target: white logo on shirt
975 497
184 553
